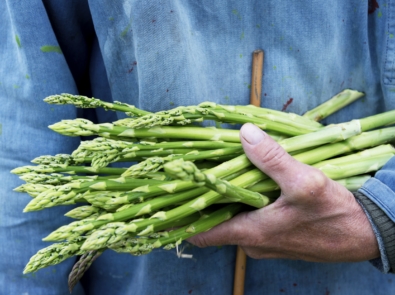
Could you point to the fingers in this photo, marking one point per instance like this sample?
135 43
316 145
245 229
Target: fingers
293 177
231 232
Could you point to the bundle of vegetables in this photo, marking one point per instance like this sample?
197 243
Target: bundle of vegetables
185 178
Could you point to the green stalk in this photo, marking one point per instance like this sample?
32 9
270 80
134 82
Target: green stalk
59 159
107 235
59 179
103 159
208 145
358 142
187 115
324 135
290 124
270 114
147 226
334 104
333 133
33 189
188 171
353 183
371 164
112 200
148 206
53 254
68 194
82 127
342 167
67 169
379 120
352 158
81 101
82 212
175 237
221 170
156 163
81 266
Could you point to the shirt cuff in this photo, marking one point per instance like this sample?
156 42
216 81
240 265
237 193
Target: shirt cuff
384 230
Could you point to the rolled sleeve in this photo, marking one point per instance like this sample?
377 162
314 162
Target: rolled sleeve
377 196
381 189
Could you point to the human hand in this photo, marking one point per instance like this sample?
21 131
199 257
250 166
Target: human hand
314 219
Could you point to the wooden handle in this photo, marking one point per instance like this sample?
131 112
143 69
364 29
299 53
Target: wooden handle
255 99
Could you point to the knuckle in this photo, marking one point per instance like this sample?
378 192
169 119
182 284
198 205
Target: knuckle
312 182
318 181
273 157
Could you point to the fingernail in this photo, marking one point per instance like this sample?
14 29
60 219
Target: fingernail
252 134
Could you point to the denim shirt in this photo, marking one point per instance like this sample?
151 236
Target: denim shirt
161 54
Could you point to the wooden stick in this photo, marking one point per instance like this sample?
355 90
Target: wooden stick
240 271
256 77
255 99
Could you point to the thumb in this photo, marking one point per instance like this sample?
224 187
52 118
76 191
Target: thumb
267 155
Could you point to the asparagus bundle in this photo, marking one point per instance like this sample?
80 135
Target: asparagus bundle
183 175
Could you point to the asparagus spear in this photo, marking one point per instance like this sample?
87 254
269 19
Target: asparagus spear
188 171
175 237
81 101
68 194
53 254
81 266
334 104
67 169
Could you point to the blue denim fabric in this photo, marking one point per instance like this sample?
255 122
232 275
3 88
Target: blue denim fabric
161 54
381 189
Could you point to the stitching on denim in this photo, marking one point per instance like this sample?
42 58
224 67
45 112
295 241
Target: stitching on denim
389 71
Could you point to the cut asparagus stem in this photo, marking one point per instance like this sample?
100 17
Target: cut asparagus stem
334 104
